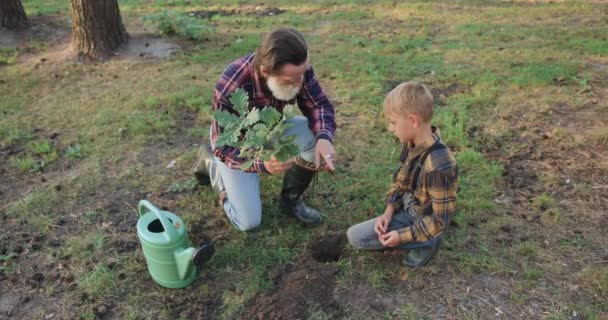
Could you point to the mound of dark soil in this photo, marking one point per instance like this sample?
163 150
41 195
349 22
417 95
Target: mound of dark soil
304 287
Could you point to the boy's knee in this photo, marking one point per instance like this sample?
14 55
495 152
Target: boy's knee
353 239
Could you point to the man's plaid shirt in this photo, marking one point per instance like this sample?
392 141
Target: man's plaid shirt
311 100
434 196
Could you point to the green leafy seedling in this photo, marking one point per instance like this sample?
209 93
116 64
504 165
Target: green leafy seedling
258 133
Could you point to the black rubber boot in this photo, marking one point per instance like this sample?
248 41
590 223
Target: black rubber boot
295 182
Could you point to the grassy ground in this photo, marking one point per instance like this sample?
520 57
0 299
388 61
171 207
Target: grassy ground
520 91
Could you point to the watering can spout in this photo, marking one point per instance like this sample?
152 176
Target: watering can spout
183 259
190 257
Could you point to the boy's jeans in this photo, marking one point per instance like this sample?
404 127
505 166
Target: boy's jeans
243 205
363 236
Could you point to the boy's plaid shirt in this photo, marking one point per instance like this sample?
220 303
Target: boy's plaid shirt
434 196
311 99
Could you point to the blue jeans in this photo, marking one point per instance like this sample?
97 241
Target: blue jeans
243 205
363 236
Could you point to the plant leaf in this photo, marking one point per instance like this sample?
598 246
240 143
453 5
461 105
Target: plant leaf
240 101
270 116
225 119
252 118
256 136
285 151
228 138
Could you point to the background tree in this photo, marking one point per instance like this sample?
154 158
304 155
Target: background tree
12 15
97 28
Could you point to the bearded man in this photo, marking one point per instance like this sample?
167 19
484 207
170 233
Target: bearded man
277 74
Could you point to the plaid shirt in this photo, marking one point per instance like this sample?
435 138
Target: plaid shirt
433 199
241 73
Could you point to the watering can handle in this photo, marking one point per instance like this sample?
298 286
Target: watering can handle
168 227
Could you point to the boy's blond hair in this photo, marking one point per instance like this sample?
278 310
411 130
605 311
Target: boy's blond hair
410 98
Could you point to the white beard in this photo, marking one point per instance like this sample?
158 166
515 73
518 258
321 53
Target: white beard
282 92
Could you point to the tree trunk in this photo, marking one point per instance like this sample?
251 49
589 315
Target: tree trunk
97 28
12 15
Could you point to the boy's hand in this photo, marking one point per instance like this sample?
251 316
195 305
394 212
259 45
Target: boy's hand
274 166
390 239
383 221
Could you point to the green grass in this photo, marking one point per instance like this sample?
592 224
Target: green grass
171 22
408 311
543 73
533 274
36 209
98 283
591 46
85 247
117 134
45 7
7 56
13 134
543 202
41 155
41 147
8 264
602 137
74 152
27 163
527 250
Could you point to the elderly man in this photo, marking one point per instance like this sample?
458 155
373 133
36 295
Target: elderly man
277 74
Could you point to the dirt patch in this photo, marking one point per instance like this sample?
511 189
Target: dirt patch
19 307
441 93
46 34
363 299
260 11
8 39
46 29
304 287
142 46
193 307
208 14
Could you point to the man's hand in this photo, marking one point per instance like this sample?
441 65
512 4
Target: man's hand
274 166
325 150
384 220
390 239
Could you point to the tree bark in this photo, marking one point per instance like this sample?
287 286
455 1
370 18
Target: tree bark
97 28
12 15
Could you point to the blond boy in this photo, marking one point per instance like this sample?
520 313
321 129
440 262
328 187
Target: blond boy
422 198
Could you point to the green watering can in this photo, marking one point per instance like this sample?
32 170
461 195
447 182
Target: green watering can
172 262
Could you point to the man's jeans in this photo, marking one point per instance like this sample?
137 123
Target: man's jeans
363 236
243 205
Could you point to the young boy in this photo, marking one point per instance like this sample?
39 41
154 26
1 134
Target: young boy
422 197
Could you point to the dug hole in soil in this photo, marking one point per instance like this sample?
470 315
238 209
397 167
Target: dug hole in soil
309 284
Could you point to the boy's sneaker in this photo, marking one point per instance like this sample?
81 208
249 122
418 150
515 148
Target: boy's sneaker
419 257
